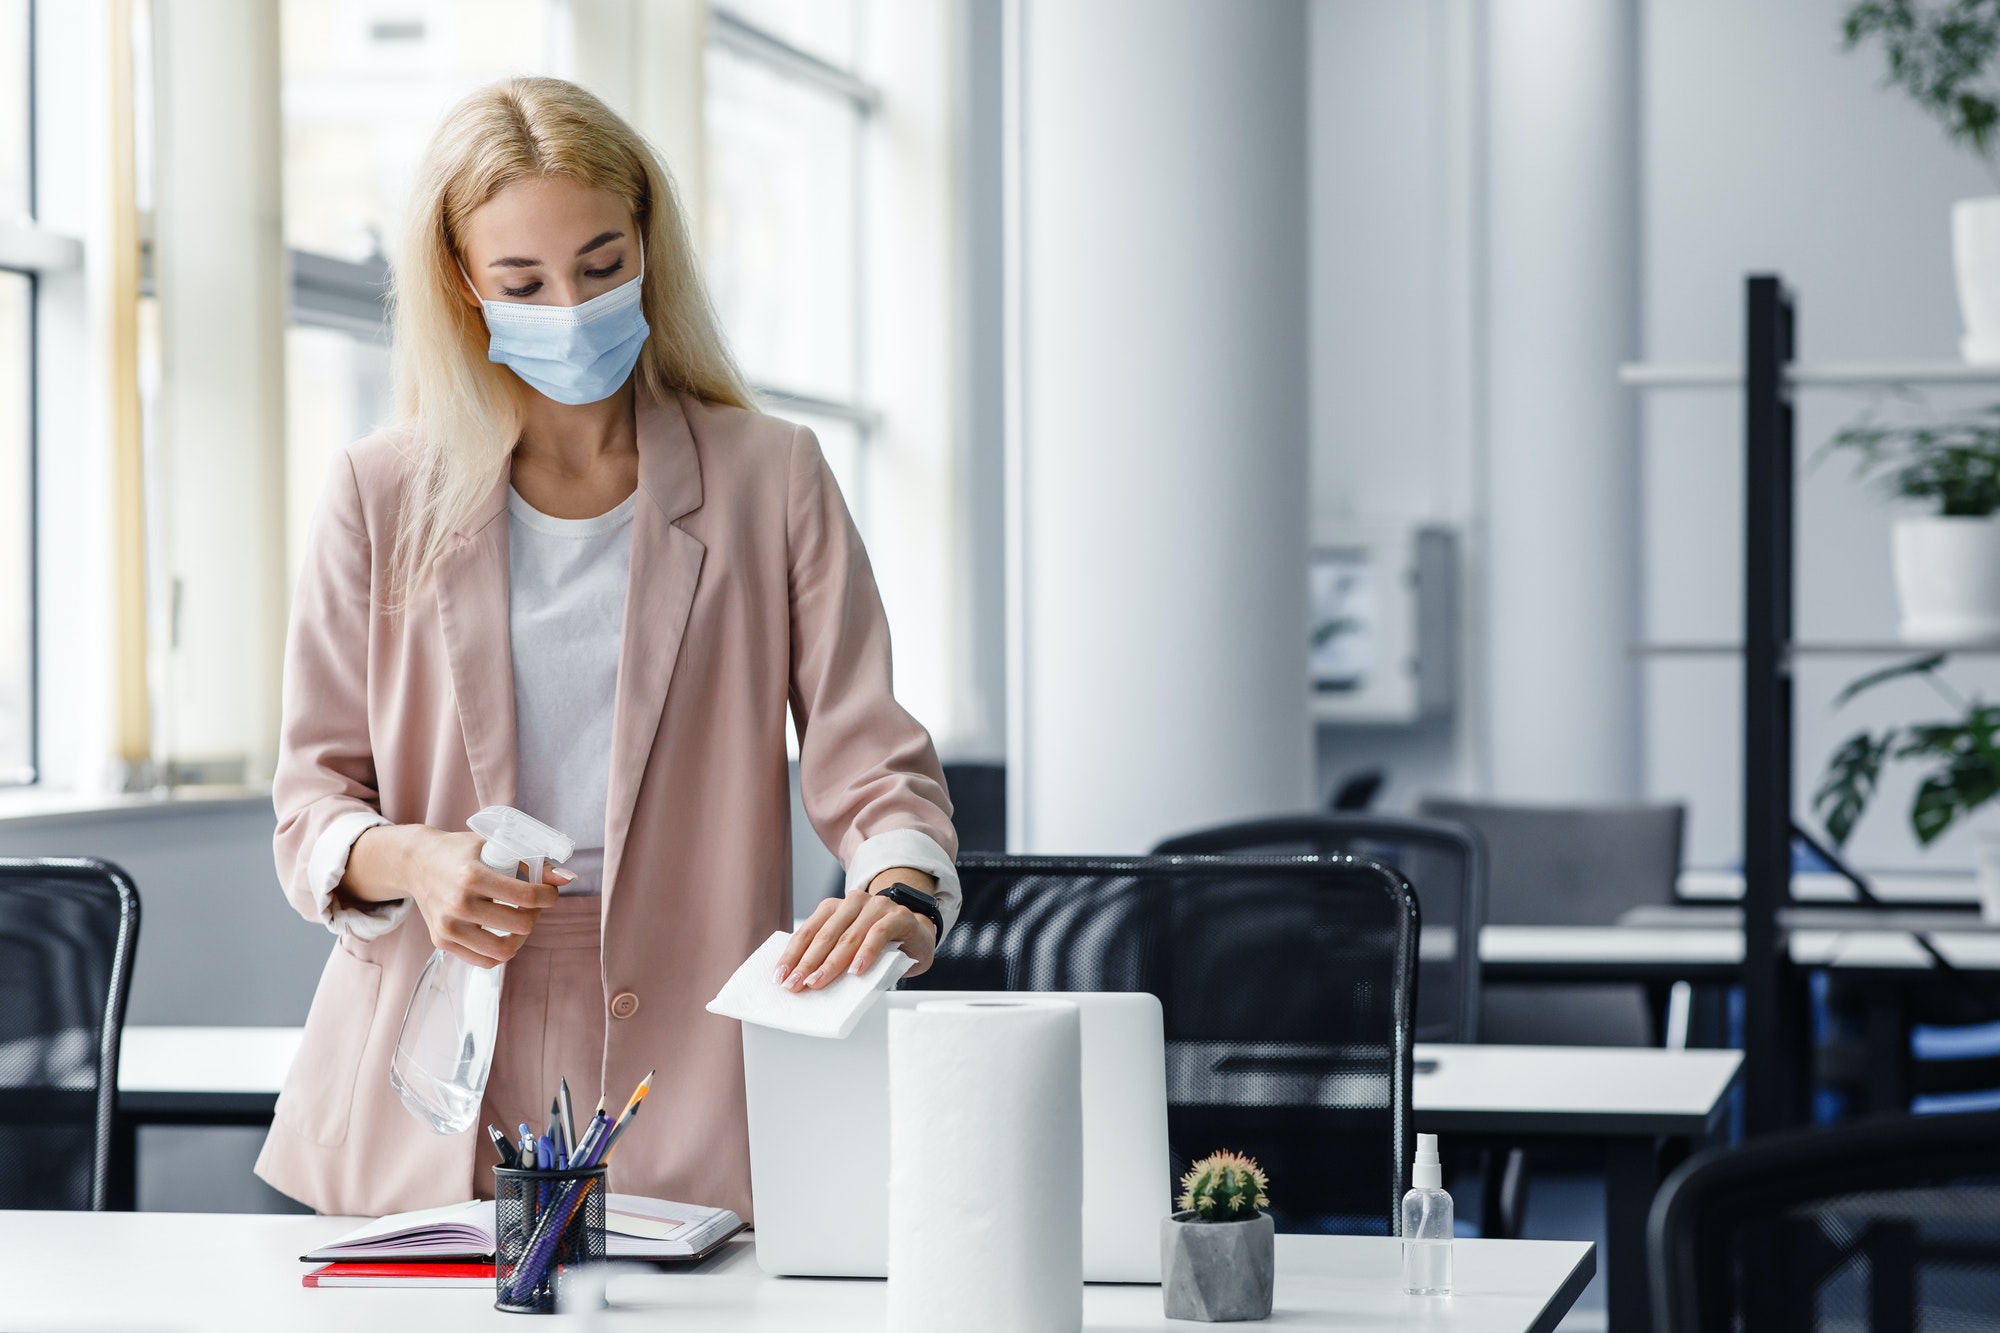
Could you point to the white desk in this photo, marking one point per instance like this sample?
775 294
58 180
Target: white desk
1699 944
1497 1089
234 1273
1624 1099
1571 1091
1893 886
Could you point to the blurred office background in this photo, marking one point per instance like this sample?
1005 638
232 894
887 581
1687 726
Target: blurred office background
1139 333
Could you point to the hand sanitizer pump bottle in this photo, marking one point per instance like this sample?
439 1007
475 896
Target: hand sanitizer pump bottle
1427 1225
445 1050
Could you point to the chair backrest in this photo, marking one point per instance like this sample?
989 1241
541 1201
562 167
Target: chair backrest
1571 865
1444 862
978 803
1887 1223
68 929
1286 988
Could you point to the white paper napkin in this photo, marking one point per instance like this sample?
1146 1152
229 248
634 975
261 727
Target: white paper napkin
753 996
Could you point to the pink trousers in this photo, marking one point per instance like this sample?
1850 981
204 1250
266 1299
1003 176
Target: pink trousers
551 1028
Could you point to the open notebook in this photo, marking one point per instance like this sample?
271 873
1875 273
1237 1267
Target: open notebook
634 1228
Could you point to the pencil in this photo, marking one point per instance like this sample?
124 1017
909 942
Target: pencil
616 1130
568 1112
638 1095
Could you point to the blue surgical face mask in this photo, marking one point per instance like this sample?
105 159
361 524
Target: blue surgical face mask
571 353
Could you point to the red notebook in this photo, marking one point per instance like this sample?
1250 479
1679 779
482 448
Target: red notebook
401 1275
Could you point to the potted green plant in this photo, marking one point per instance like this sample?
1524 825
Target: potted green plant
1217 1254
1963 758
1947 563
1941 52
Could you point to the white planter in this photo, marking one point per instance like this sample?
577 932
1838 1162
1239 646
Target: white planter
1975 253
1948 579
1988 850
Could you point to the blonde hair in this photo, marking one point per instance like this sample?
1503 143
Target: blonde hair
462 412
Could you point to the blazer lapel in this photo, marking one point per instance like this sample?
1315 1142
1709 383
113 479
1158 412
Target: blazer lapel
471 579
659 593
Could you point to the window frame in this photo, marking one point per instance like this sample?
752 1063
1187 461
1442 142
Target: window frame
25 251
744 38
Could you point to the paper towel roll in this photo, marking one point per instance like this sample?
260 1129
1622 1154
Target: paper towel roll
985 1167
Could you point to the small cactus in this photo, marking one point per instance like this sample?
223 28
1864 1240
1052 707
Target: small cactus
1224 1187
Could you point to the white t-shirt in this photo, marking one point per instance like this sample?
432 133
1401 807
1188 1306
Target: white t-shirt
565 610
566 584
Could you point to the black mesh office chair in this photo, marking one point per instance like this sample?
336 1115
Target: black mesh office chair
67 933
1287 988
1570 866
1889 1223
1444 862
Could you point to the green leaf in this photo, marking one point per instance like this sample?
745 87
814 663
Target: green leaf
1935 806
1852 775
1930 662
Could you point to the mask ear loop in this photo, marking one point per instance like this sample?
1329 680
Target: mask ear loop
470 285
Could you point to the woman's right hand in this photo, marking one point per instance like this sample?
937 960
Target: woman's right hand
462 899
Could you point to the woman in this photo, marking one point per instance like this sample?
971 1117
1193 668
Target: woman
582 576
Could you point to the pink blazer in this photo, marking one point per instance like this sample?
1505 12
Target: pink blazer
749 590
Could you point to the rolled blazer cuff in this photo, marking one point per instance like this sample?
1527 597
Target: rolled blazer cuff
918 851
327 866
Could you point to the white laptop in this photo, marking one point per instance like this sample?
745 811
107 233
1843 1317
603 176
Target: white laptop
817 1217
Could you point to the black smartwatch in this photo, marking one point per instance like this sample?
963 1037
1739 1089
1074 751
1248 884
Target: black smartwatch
923 904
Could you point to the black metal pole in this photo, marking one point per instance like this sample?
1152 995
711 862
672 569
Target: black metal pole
1774 1034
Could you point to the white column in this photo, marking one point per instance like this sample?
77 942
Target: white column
1157 452
220 272
1562 313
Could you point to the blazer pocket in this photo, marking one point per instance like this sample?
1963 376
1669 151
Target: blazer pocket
318 1098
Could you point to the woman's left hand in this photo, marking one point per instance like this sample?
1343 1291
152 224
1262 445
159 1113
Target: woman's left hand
849 934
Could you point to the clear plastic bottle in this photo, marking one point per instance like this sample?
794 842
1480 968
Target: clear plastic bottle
1427 1223
445 1050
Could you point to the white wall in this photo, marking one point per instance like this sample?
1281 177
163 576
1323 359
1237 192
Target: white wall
1395 328
1158 576
1762 146
1768 149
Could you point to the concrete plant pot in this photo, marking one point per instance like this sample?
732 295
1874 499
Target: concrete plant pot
1217 1272
1948 579
1975 253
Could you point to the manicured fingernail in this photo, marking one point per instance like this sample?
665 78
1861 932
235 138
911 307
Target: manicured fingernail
857 968
813 980
779 975
565 877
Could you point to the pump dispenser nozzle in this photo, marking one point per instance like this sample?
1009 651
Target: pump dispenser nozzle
1427 1174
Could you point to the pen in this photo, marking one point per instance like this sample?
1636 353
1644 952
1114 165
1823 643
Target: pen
599 1125
500 1145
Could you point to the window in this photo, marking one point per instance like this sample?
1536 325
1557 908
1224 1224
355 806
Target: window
785 119
365 82
17 403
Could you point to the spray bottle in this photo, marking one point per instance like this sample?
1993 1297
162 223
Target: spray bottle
1427 1225
445 1050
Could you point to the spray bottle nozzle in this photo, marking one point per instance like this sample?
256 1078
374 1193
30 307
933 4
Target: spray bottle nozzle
513 837
1427 1172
